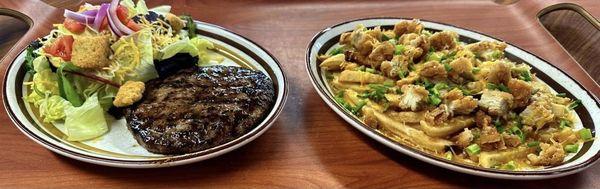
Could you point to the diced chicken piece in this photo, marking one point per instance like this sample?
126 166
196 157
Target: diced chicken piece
463 139
496 102
476 86
434 70
511 140
392 68
463 106
537 114
360 40
490 139
404 27
91 52
521 92
458 103
482 119
488 50
375 33
415 40
444 40
461 70
499 73
129 93
551 154
407 38
383 51
413 97
413 53
438 115
360 77
345 38
334 62
410 79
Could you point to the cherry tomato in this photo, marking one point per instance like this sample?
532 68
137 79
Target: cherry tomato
133 26
123 14
62 47
74 26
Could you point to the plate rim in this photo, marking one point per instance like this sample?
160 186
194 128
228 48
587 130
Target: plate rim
180 159
454 166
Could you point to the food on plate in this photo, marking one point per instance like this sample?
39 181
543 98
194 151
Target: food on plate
122 55
464 102
199 107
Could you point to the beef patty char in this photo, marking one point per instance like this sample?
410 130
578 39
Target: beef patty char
198 108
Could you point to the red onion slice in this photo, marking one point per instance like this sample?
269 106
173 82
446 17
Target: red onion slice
102 11
91 12
114 19
82 18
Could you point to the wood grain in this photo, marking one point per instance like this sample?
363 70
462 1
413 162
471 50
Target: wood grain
13 30
578 36
309 146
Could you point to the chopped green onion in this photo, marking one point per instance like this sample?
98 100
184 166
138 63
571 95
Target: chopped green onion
497 54
491 86
401 74
385 37
511 165
533 144
561 95
475 70
571 148
370 70
434 100
473 149
447 67
518 132
448 155
399 49
503 87
525 76
191 26
355 110
360 68
388 83
29 57
575 104
564 123
337 51
585 134
434 56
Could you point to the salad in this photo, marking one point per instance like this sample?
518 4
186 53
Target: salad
99 58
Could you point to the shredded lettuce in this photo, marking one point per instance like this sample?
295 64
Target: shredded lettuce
53 108
162 10
195 47
41 63
135 9
132 59
85 122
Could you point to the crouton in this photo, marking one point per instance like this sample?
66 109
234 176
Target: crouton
175 22
521 92
444 40
361 41
551 154
462 106
129 93
410 79
404 27
537 114
461 70
91 52
490 139
438 115
488 50
496 102
482 119
511 140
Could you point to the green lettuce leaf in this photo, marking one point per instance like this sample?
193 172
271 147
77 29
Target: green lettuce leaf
196 47
133 59
53 108
85 122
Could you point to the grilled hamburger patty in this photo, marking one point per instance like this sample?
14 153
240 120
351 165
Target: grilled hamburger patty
199 107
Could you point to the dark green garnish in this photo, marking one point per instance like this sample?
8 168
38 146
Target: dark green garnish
575 104
191 26
399 49
66 88
561 95
336 51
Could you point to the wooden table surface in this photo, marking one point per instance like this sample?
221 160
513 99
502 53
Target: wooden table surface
309 146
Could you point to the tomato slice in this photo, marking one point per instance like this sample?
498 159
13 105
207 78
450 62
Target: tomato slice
62 47
123 14
104 24
74 26
133 26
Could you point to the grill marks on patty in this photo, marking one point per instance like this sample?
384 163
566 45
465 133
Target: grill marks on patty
199 107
